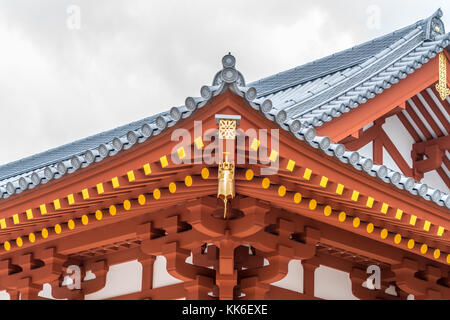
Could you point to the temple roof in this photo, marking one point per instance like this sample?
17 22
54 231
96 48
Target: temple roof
297 100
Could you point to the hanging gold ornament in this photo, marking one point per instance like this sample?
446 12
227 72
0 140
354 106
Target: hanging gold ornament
227 131
226 182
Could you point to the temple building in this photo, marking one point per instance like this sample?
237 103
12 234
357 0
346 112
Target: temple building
327 181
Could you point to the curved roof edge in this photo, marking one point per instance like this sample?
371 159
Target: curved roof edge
226 79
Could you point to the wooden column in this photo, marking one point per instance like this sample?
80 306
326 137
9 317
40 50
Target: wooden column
377 150
28 290
254 289
226 276
147 263
309 269
199 288
13 294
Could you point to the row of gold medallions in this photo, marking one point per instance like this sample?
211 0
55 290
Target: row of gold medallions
342 217
97 216
71 224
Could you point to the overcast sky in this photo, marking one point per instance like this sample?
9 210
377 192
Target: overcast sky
125 60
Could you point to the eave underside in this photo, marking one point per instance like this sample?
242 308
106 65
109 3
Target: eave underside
310 212
187 217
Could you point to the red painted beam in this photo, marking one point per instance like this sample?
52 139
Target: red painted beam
409 127
442 142
433 161
364 138
434 150
395 154
427 116
429 100
419 123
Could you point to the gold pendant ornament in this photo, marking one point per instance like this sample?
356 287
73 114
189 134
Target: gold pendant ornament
441 87
226 182
227 131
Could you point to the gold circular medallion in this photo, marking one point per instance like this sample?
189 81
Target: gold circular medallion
127 205
312 204
423 248
437 253
266 183
298 197
282 191
188 181
99 215
112 210
205 173
156 194
141 199
84 219
58 229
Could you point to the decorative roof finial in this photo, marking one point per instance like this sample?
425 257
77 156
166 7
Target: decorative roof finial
229 74
434 25
229 61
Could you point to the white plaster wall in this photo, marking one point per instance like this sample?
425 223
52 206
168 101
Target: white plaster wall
389 162
121 279
161 277
4 295
46 292
332 284
433 179
366 151
294 279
